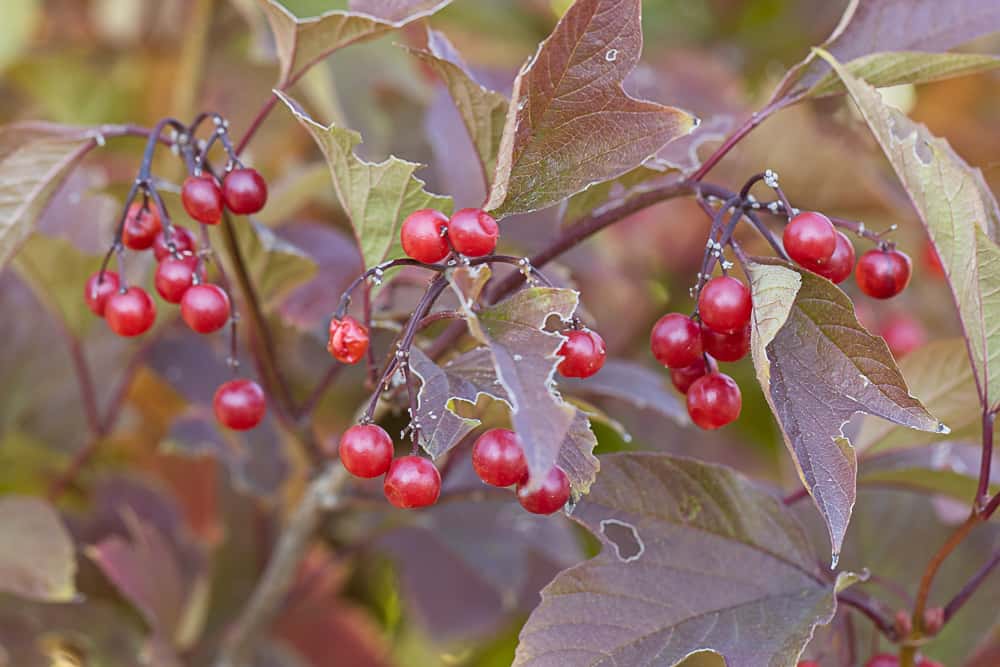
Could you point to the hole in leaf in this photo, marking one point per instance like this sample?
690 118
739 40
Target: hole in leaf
624 538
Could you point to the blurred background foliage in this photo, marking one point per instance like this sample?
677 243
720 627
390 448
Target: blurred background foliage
450 586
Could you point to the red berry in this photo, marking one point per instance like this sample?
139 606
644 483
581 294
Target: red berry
683 378
202 199
883 660
130 313
927 662
903 335
239 404
174 277
882 274
726 346
366 450
932 260
183 242
724 304
205 308
838 268
422 235
498 458
714 400
141 226
348 340
550 497
676 341
97 291
583 353
244 191
808 663
810 239
412 481
473 232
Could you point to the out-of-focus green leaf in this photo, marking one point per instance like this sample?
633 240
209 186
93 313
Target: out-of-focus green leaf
948 468
38 560
376 197
19 19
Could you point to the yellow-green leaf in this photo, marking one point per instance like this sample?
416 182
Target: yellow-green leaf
38 559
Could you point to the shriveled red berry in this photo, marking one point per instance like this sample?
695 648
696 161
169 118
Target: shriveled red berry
714 400
422 236
473 232
726 346
724 304
903 334
202 198
244 191
412 481
348 340
205 308
548 498
883 660
583 354
810 239
239 404
841 263
498 458
174 277
98 290
130 313
183 241
882 274
676 341
366 450
141 226
683 378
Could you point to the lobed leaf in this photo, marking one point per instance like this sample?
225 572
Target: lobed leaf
376 197
570 124
38 560
818 367
694 558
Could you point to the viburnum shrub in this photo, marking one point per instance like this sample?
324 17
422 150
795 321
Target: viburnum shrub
500 368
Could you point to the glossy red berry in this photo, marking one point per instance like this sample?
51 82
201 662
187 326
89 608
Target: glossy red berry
141 226
202 199
550 497
422 236
683 378
244 191
882 274
498 458
348 340
808 663
839 267
412 481
583 354
366 450
726 346
174 277
903 334
883 660
205 308
810 239
714 400
676 341
724 304
98 290
183 241
239 404
130 313
473 232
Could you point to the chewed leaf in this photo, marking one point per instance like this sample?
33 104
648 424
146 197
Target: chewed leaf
376 197
694 558
569 123
301 42
38 559
818 367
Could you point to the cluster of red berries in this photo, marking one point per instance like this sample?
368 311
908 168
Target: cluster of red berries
429 236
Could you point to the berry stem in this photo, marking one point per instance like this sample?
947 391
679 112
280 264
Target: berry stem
871 609
970 587
985 463
743 130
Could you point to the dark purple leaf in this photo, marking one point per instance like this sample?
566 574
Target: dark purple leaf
635 384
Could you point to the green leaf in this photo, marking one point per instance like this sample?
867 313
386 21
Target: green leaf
38 559
302 42
948 468
34 160
818 367
695 557
959 214
376 197
570 124
940 376
483 111
895 68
